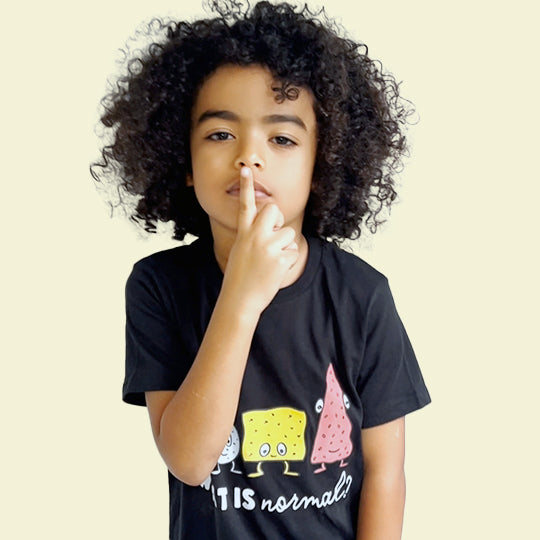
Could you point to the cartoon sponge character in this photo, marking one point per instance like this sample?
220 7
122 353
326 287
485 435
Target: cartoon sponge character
274 435
333 440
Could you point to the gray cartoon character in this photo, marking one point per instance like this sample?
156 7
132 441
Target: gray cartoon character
229 453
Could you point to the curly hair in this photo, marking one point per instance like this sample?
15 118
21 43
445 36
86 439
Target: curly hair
357 108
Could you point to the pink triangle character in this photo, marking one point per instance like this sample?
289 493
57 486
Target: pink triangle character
333 440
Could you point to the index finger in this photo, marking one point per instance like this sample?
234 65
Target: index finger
247 210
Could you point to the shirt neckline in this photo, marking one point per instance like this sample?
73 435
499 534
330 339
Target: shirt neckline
287 293
306 278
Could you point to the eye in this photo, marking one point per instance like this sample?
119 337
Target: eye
264 450
219 136
229 442
319 406
280 140
282 449
346 401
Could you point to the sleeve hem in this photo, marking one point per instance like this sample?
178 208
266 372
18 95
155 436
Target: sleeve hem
402 408
137 397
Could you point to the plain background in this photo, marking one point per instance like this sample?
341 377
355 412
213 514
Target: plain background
460 251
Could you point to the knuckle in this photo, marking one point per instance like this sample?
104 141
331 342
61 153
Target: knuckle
270 209
287 234
274 208
291 233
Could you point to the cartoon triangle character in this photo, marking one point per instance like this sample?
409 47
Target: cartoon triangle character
333 440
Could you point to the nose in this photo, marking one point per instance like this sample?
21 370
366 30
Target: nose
250 155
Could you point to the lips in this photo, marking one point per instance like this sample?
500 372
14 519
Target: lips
260 190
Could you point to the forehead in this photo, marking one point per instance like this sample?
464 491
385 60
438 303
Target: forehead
250 93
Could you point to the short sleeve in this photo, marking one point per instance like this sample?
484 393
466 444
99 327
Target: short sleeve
153 349
390 383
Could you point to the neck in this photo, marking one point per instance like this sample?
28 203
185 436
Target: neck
224 243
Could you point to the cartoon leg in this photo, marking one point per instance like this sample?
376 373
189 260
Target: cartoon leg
207 483
216 471
320 469
288 472
233 469
343 464
259 471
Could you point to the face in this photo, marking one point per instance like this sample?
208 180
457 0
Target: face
236 121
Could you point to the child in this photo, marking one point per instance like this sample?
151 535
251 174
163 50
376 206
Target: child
274 366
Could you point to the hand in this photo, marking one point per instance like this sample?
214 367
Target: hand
263 252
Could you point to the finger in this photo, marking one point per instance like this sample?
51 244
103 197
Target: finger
280 220
290 257
285 238
293 246
270 217
247 210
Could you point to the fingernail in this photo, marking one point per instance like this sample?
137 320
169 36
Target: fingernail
244 171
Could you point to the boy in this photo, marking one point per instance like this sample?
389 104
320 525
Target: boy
262 345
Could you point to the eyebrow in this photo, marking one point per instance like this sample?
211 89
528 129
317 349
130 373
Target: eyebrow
270 119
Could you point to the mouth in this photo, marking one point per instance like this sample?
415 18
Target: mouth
261 192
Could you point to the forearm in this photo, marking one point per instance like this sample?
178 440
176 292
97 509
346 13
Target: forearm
191 428
382 503
197 422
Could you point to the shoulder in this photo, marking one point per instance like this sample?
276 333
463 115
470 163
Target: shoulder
174 258
171 267
349 270
174 261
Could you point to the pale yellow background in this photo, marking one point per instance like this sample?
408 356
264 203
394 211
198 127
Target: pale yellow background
460 252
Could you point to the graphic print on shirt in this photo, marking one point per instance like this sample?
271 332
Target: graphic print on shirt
274 435
228 455
333 439
279 434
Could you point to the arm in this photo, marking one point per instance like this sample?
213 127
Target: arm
382 498
191 426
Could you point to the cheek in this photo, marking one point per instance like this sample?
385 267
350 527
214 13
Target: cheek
207 161
203 171
297 164
306 159
203 193
304 172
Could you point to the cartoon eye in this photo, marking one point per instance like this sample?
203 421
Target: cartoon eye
229 442
346 401
282 449
264 450
319 406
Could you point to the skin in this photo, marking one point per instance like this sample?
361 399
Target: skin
236 123
253 161
382 499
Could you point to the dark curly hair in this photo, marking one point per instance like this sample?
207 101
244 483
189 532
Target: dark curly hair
360 115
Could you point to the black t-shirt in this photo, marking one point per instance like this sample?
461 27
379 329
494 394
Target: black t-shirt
329 357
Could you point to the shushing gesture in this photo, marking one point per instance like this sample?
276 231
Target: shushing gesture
264 251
